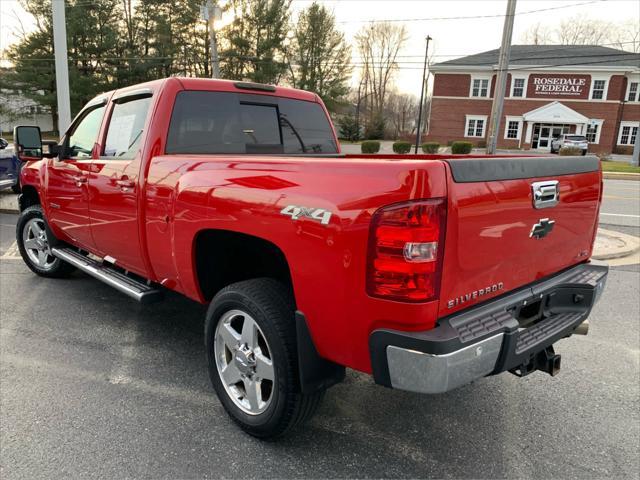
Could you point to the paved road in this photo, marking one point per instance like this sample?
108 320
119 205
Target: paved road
621 204
93 384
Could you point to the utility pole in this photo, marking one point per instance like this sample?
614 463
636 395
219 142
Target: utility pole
62 66
424 77
635 158
211 12
501 80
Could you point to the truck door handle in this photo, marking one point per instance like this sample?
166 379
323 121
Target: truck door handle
124 183
80 179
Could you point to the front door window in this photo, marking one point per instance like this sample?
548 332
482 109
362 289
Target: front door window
543 141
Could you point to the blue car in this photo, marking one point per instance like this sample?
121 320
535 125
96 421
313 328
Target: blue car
9 167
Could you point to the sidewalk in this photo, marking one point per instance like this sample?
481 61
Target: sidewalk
609 244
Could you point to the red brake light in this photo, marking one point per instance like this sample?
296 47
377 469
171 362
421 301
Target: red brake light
405 251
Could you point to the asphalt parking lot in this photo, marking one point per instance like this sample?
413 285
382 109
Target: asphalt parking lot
93 384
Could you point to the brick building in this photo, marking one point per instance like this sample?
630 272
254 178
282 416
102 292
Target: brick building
551 89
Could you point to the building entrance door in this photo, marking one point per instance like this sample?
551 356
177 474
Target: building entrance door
543 133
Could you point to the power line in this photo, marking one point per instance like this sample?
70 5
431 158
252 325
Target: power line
465 17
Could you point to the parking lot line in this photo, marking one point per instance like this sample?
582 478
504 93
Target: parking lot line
12 253
620 215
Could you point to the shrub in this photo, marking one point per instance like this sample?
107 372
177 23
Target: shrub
375 128
461 147
570 151
401 147
430 147
370 146
349 128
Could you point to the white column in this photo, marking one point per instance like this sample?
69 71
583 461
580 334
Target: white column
527 137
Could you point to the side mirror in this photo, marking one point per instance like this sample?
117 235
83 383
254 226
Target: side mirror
3 144
28 143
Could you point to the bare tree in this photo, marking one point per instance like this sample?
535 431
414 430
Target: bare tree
626 36
538 34
582 30
378 45
402 109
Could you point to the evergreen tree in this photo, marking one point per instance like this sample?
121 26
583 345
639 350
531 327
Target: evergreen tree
253 45
319 56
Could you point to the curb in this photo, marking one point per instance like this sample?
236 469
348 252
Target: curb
9 203
626 245
621 176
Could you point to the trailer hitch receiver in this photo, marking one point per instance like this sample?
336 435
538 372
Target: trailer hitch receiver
546 361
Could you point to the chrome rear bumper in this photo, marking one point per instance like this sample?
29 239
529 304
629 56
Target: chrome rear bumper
486 339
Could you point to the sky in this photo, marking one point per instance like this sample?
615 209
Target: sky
452 37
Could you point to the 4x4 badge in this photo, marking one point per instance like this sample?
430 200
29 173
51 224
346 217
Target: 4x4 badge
542 228
295 212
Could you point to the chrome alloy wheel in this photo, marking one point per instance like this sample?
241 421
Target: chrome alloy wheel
34 239
244 362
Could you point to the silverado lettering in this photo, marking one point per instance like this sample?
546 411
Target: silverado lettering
191 185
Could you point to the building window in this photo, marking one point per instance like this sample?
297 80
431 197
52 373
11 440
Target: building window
512 129
518 87
598 89
475 126
480 87
628 134
592 133
633 96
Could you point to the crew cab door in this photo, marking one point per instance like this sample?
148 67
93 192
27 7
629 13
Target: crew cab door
67 205
114 185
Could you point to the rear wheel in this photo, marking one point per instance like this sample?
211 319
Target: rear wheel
34 245
250 340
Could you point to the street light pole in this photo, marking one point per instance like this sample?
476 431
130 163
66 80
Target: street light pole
501 79
424 77
211 12
62 67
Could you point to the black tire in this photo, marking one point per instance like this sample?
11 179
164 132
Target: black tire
584 152
56 268
271 306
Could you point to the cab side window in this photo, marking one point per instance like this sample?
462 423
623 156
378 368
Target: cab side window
85 133
125 128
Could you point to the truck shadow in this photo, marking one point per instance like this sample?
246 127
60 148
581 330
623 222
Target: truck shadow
492 428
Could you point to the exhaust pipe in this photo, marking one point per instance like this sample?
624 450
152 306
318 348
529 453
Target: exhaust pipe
582 329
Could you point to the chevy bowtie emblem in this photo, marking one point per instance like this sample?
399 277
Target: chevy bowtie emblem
542 228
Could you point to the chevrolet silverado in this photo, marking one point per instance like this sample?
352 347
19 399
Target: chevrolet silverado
426 271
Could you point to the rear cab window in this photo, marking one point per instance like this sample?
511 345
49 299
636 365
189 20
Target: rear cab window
228 122
576 138
126 126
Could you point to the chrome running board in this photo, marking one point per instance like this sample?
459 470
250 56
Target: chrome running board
132 287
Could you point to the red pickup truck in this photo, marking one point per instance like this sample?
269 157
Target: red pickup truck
427 271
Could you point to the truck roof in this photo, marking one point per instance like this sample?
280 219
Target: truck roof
219 85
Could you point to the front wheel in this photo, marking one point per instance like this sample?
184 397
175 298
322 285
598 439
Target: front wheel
34 245
250 340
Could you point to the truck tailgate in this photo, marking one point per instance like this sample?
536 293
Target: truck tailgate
499 237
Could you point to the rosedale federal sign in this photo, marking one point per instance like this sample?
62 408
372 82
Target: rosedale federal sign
571 86
559 85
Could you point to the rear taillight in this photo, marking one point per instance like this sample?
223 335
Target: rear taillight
405 251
